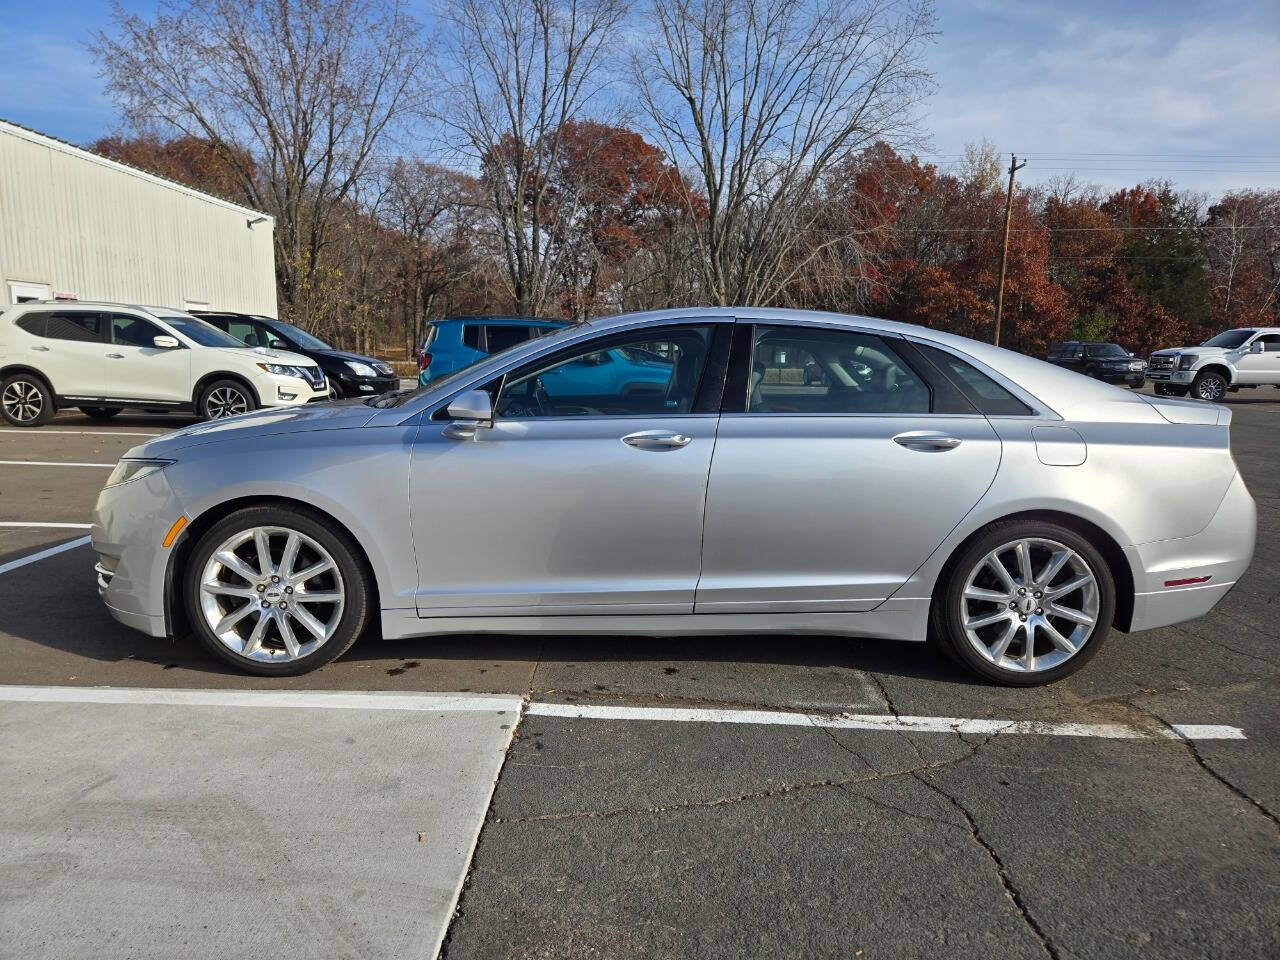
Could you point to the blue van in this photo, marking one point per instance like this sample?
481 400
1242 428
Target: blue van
455 343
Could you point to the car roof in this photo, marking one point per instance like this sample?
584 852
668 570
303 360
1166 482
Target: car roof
512 321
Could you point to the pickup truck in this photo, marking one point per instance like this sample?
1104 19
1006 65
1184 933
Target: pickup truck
1233 359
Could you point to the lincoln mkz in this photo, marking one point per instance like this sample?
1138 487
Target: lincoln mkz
923 486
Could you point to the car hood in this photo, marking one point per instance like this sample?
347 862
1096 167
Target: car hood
342 357
272 356
1192 352
339 415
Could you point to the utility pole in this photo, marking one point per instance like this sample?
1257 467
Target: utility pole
1014 167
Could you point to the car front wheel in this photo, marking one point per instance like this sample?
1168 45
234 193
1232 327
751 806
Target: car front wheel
1209 386
225 398
277 592
1026 603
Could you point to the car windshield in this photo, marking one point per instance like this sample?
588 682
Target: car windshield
205 334
1107 350
1229 339
299 336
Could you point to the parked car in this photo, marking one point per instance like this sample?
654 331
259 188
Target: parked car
348 374
104 357
949 491
1109 362
455 343
1248 357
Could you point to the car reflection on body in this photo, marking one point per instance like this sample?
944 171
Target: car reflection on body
928 486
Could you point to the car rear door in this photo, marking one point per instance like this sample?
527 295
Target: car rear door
827 497
563 508
136 369
72 353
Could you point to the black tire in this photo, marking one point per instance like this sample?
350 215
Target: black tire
1209 385
100 413
26 400
947 612
217 400
357 587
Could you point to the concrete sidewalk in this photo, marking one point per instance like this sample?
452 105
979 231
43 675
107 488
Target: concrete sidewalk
161 830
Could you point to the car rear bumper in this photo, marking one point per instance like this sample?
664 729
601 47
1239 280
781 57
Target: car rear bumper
1182 579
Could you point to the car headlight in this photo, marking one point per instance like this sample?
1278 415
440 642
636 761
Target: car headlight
1185 361
361 369
283 370
1136 365
127 470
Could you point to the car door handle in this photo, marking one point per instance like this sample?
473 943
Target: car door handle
923 440
41 347
656 440
115 356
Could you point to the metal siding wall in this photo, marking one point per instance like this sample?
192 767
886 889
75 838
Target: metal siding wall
104 233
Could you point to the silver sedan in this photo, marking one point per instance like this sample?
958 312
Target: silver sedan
684 472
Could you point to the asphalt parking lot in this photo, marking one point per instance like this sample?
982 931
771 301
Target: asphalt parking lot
712 797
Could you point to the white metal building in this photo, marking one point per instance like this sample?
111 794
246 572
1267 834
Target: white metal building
74 225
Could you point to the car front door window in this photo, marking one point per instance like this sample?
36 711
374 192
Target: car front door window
651 374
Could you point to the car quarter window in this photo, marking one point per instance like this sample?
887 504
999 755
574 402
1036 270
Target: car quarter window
656 372
85 327
821 370
133 331
984 393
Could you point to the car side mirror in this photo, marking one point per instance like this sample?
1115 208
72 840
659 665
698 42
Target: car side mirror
165 342
469 412
1257 346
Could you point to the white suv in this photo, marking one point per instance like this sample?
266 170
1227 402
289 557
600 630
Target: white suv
103 357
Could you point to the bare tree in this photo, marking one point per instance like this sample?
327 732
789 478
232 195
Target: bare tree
517 71
296 95
755 100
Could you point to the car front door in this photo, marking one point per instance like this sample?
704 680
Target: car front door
827 497
1262 367
588 506
136 369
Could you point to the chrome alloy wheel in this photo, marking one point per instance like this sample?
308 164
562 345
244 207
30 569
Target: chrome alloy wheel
271 594
226 402
22 401
1211 387
1030 605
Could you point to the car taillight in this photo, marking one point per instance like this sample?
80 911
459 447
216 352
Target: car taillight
424 361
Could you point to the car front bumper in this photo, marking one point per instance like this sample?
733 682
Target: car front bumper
278 391
1184 578
1171 376
130 522
353 386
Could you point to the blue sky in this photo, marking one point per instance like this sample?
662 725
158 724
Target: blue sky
1114 91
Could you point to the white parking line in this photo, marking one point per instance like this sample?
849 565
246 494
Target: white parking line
884 722
50 463
51 526
465 702
60 548
82 433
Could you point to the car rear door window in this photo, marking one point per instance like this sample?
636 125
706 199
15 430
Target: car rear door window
502 337
133 331
655 373
33 323
800 370
84 327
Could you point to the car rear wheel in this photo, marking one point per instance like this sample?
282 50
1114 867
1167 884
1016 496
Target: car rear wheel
26 401
1209 386
225 398
1026 603
276 592
100 413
